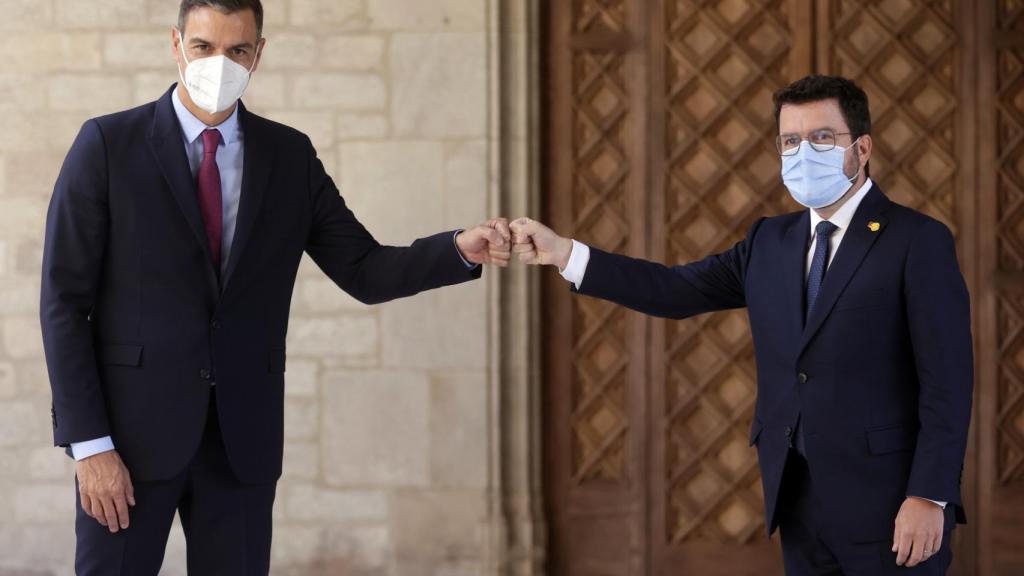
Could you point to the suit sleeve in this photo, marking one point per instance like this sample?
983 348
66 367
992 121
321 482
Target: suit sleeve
368 271
939 316
73 252
714 283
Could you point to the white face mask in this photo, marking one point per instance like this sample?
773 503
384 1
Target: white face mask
214 83
816 179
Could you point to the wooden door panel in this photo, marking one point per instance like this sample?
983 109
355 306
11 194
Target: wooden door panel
907 56
594 419
1002 488
715 170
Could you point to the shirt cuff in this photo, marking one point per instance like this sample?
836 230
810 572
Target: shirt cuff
940 503
83 450
576 269
468 264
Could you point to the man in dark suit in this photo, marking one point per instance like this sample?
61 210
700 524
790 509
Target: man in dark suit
864 359
172 244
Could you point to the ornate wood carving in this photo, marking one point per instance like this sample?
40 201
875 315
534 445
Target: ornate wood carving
600 359
723 61
1009 137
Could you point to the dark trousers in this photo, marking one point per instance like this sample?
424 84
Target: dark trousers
227 523
811 545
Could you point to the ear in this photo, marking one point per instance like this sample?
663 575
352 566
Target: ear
176 48
864 148
261 45
175 40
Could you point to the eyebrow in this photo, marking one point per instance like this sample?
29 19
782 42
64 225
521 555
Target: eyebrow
197 40
815 130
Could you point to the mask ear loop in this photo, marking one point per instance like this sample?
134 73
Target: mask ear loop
856 174
181 48
256 59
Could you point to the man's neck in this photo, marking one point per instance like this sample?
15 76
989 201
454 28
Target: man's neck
830 210
204 116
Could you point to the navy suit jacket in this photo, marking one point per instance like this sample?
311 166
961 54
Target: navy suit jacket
880 376
137 324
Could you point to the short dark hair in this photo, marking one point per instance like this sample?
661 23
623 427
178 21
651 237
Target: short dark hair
853 102
224 6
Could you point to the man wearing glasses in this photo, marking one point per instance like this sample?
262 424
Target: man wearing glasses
861 326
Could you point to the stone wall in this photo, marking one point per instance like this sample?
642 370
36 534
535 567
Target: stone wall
392 461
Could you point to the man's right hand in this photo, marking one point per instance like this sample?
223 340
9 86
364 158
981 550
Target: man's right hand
535 243
106 489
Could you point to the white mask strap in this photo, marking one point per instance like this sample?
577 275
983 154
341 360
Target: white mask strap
181 47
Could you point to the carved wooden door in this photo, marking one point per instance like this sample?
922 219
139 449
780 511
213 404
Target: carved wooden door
1000 335
659 144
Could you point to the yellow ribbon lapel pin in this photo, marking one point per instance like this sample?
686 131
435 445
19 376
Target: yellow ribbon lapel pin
874 226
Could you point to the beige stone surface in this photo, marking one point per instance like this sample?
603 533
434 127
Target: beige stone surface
326 13
44 51
89 91
437 330
8 381
351 52
308 502
427 14
92 14
362 126
427 546
289 51
301 460
379 177
339 91
25 13
22 91
389 422
43 502
439 83
319 126
458 430
376 430
22 339
134 50
350 336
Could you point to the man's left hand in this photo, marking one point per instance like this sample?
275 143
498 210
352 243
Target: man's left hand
918 533
488 243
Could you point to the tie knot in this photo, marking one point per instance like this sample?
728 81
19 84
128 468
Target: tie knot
211 139
825 228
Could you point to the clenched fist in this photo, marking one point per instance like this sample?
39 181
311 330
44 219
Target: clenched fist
535 243
488 243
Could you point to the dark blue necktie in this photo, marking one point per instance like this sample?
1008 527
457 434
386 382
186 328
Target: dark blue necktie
819 263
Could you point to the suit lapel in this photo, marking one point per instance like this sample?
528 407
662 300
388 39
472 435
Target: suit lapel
854 247
795 249
169 152
256 168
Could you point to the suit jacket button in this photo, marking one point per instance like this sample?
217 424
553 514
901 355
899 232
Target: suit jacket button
801 378
205 374
789 431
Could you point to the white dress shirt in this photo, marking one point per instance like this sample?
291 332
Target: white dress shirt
576 269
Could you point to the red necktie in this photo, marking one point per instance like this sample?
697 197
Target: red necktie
210 195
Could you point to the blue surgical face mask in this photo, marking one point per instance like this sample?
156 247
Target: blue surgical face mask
816 179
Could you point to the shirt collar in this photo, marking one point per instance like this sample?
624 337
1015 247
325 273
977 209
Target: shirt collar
844 215
192 127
